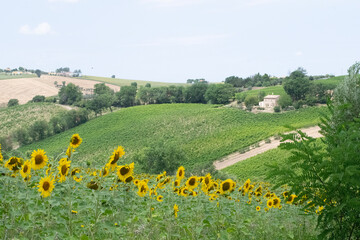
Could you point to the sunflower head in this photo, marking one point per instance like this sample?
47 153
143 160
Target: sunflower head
269 203
63 168
26 169
46 186
13 164
117 154
75 141
1 156
192 182
176 209
180 174
258 208
142 189
38 159
125 171
227 186
160 198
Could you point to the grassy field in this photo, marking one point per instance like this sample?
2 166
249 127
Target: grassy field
255 167
127 82
4 76
24 115
204 132
331 81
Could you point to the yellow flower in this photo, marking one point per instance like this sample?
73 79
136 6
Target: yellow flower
246 186
269 203
46 186
105 171
180 174
258 208
13 164
160 176
82 226
69 151
38 159
266 209
77 179
26 169
227 186
160 198
74 212
276 202
63 169
192 182
117 154
125 171
176 209
1 156
184 192
290 199
142 188
75 141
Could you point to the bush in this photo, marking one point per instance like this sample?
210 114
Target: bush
219 93
13 102
58 124
285 101
38 98
22 136
51 99
39 130
6 143
277 109
160 157
250 101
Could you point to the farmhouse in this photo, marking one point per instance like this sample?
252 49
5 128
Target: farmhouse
270 101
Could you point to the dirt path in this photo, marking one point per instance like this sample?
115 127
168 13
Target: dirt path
237 157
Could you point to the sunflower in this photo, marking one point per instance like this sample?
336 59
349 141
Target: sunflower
142 189
92 185
184 192
160 198
46 186
105 170
290 199
227 186
269 203
152 192
75 171
192 182
1 156
63 168
207 179
13 164
38 159
129 179
69 151
160 176
136 182
176 209
177 182
285 194
26 169
125 171
246 185
258 208
75 141
117 154
276 202
77 179
180 174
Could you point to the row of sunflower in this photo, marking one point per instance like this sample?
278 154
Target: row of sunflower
123 177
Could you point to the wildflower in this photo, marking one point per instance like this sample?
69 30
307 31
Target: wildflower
26 169
125 171
290 199
38 159
46 186
180 174
13 164
74 212
176 209
192 182
258 208
160 198
227 186
63 169
269 203
117 154
69 151
276 202
75 141
142 188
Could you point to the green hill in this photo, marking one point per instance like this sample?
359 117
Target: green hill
24 115
4 76
127 82
205 132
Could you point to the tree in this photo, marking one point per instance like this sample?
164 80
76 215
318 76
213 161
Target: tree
148 85
195 93
297 85
101 88
235 81
126 96
219 93
134 84
99 103
251 101
38 98
38 72
285 101
13 102
69 94
325 176
113 76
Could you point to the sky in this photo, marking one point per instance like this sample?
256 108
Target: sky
176 40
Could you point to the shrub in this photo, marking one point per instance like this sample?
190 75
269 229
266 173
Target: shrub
250 101
22 136
285 101
38 98
277 109
13 102
39 130
51 99
6 143
58 124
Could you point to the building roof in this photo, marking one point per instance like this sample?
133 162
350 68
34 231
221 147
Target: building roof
272 96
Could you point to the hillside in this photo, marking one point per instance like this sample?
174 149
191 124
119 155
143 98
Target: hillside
4 76
24 115
127 82
204 132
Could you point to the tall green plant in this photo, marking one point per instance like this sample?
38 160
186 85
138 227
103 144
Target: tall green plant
327 179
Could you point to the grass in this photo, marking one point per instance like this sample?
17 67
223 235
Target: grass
206 133
24 115
4 76
334 81
127 82
256 167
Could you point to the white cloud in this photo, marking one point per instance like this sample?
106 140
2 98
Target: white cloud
67 1
184 41
41 29
299 53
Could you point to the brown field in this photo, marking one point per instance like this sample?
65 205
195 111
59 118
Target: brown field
24 89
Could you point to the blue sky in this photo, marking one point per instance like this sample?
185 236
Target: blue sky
174 40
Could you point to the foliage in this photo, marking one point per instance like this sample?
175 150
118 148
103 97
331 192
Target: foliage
13 102
159 157
69 94
126 96
195 93
251 101
297 85
38 72
219 93
38 98
329 177
205 132
21 135
39 130
277 109
285 101
101 88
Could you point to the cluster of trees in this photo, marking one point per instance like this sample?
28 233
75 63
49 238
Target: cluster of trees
104 97
42 129
256 80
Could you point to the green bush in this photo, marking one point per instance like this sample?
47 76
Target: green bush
22 136
38 98
251 101
6 143
13 102
39 130
285 101
51 99
277 109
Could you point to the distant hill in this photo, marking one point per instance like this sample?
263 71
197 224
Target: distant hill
126 82
4 76
205 132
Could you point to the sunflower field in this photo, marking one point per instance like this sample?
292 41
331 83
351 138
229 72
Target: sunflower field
63 198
